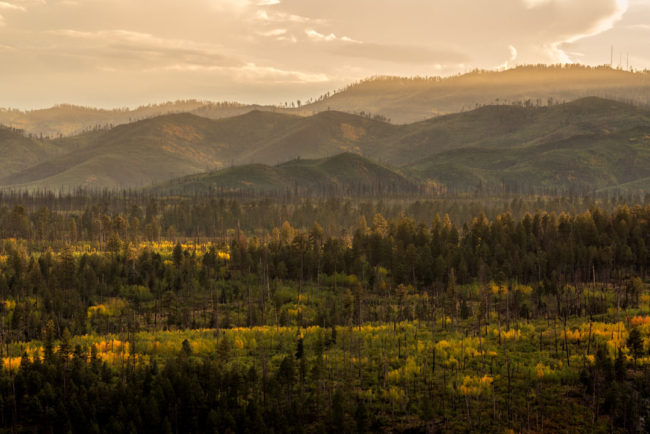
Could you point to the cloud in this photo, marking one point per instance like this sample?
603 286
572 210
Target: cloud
274 33
405 54
511 61
281 17
276 75
147 48
11 6
316 36
576 20
6 6
513 53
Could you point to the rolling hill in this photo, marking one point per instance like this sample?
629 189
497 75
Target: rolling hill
581 163
158 149
68 119
20 152
403 100
345 173
588 142
501 126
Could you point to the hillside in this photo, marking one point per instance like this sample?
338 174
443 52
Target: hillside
321 135
582 144
170 146
20 152
512 127
588 162
405 100
150 151
344 173
67 120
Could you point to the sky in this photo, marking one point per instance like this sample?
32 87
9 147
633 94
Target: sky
125 53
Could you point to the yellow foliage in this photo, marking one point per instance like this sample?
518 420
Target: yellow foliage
112 307
224 255
11 363
498 289
640 320
411 369
512 334
9 304
525 289
474 386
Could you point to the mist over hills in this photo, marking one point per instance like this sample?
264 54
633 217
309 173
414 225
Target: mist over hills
402 100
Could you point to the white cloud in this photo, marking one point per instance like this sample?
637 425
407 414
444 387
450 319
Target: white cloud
316 36
252 71
11 6
536 3
597 26
513 53
274 32
511 61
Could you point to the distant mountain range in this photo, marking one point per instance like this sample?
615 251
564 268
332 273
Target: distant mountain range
586 144
402 100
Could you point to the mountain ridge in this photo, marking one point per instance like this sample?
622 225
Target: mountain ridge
441 150
400 99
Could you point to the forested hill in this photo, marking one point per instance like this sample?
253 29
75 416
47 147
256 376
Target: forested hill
346 173
400 99
20 152
68 119
586 145
405 100
159 149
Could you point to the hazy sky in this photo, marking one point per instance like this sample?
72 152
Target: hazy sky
128 52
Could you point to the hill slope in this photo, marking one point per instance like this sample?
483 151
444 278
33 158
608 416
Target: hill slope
405 100
169 146
582 163
489 144
66 119
20 152
512 127
340 174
